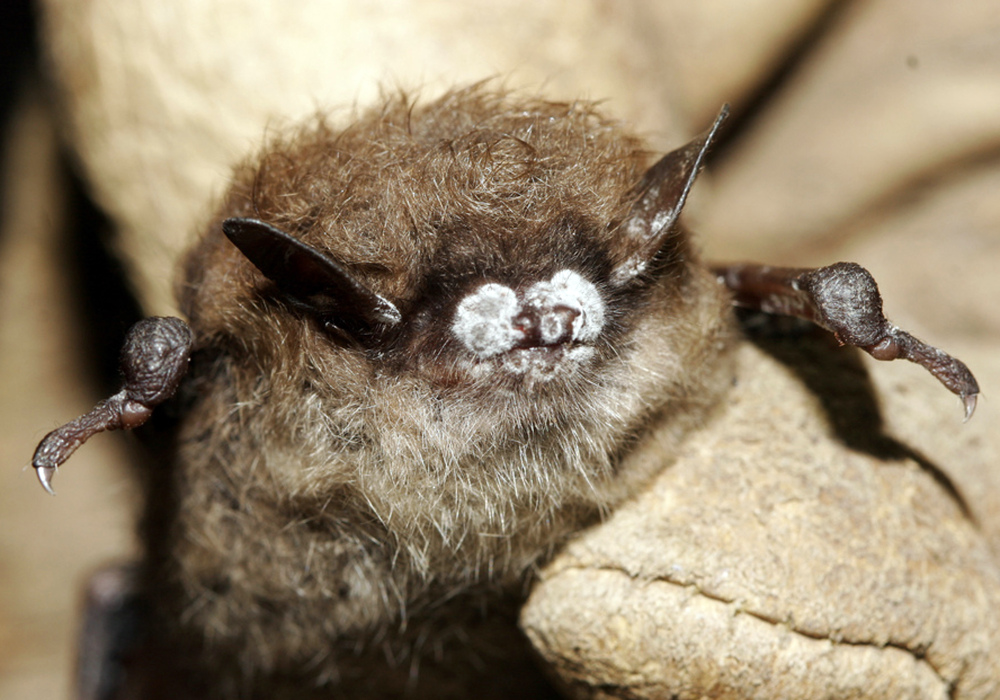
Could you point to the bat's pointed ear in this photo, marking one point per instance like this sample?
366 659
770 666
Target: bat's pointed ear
662 193
309 277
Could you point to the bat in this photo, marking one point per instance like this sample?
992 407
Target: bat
420 353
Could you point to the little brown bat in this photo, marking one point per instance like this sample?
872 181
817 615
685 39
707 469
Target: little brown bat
425 349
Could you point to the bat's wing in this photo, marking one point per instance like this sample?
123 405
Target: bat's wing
154 360
844 299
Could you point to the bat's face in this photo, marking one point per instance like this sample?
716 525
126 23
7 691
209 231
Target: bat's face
517 315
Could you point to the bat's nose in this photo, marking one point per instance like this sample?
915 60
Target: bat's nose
541 327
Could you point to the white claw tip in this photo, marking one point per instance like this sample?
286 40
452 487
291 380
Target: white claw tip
44 475
970 405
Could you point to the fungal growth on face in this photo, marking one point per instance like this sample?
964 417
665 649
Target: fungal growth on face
425 349
550 325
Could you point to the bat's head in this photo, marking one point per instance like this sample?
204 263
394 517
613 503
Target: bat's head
463 315
516 253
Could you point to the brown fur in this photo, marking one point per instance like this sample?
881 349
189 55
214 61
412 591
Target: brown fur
330 495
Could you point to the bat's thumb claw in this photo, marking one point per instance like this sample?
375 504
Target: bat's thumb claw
970 405
45 477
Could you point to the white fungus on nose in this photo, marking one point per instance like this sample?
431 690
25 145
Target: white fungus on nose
570 290
485 319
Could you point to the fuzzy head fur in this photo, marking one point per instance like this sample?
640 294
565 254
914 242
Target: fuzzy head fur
555 338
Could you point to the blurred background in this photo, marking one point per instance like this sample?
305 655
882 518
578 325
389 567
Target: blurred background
861 130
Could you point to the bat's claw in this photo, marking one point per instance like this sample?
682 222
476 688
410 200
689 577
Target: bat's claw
970 405
45 477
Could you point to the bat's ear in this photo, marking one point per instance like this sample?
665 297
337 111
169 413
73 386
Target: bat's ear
309 277
662 193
